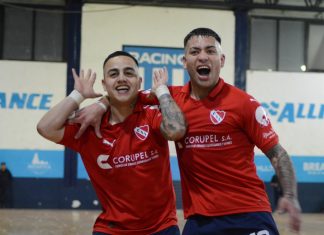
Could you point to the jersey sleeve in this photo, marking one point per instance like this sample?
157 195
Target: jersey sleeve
146 97
68 138
258 126
155 117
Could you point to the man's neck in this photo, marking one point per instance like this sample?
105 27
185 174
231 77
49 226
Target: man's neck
119 112
199 93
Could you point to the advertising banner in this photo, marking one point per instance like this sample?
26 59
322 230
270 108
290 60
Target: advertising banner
153 58
295 104
27 91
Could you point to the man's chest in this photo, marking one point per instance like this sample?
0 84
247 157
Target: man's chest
124 147
217 116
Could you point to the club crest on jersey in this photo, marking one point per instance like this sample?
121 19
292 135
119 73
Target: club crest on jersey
217 116
142 132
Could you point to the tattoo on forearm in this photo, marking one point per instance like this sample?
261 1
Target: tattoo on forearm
173 120
284 169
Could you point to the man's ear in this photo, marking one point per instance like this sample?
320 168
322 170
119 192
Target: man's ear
184 61
222 60
103 84
140 82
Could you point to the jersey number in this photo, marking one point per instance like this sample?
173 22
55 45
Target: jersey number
262 232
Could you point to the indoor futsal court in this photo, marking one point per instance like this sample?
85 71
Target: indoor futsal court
78 222
271 49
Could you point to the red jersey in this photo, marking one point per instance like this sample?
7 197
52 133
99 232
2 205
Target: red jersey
130 172
216 156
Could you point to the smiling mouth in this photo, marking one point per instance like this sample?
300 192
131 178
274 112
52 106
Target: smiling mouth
122 89
203 70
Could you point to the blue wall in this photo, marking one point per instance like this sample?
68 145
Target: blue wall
53 194
39 180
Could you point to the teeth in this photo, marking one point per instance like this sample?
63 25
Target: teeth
122 88
203 70
203 67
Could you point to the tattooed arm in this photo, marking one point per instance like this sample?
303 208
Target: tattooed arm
282 164
173 125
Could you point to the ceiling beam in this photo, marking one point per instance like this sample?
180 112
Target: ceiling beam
310 5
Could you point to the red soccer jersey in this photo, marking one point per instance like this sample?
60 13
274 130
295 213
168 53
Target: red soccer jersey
216 156
130 172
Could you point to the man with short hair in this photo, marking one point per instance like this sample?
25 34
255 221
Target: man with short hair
129 167
221 191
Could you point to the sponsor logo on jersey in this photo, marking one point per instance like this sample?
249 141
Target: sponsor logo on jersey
142 132
268 135
106 142
207 141
102 162
217 116
127 160
261 116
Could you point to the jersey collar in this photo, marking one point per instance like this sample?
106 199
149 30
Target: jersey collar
138 108
216 90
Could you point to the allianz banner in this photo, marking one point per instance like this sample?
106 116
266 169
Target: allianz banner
295 105
27 91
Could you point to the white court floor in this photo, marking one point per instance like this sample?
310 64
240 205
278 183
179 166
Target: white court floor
79 222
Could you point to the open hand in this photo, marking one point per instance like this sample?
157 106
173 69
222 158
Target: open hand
90 115
291 205
160 77
84 83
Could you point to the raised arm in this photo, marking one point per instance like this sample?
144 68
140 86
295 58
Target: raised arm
173 125
282 164
51 125
91 115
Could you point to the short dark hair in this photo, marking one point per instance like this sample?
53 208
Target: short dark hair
202 32
3 163
119 53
